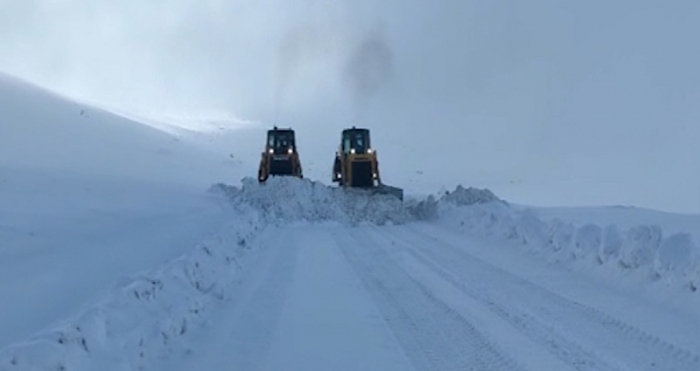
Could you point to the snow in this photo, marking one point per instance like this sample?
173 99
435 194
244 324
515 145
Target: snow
588 240
304 307
141 319
611 244
624 217
89 199
468 196
45 132
640 248
123 247
675 255
291 199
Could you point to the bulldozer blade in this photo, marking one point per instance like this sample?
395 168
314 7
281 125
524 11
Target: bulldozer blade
390 190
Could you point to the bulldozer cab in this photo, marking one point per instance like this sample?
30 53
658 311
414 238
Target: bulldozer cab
281 141
355 141
280 156
356 163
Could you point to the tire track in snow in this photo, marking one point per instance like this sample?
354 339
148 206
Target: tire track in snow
641 350
243 339
434 336
568 351
259 319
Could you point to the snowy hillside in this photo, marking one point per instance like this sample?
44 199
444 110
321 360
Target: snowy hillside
123 247
87 198
45 132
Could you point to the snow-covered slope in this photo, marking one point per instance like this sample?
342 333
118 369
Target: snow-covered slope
43 131
86 198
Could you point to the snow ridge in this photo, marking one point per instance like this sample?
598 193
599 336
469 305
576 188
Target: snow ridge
286 199
671 259
142 320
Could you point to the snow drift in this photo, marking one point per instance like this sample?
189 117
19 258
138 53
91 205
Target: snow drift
286 199
143 319
673 259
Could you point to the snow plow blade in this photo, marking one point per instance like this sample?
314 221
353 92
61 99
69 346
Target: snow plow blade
389 190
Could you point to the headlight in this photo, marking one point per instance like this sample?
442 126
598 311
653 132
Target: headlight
271 150
290 151
369 151
352 150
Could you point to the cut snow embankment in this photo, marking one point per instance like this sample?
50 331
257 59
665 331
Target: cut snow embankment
290 200
141 320
150 316
673 259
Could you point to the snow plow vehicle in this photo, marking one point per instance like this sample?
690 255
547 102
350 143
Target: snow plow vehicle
280 157
356 164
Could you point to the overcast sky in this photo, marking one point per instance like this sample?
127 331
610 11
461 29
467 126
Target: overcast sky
550 102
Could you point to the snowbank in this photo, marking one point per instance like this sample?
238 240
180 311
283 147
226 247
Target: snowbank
286 199
143 319
468 196
427 209
673 259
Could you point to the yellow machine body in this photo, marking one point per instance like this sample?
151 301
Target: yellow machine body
356 163
280 157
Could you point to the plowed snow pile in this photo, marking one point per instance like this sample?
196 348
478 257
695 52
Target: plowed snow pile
290 199
673 259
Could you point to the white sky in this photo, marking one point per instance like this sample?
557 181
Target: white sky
548 102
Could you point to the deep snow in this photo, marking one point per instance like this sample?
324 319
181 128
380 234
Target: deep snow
670 257
244 296
88 199
116 252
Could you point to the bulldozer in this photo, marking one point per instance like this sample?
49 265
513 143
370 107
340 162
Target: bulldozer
280 157
356 164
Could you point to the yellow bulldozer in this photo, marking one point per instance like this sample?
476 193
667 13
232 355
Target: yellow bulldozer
356 164
280 157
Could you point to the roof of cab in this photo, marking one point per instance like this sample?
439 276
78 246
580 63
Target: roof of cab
355 129
276 129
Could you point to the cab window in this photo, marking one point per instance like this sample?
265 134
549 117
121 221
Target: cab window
360 146
346 144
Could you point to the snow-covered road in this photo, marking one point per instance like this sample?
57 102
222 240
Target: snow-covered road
418 296
299 306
